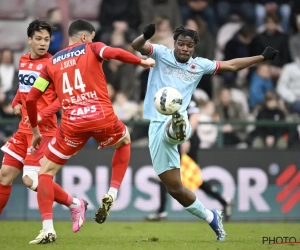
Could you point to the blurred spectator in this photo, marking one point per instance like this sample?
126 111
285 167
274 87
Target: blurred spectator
288 86
122 17
153 8
125 110
191 8
225 33
205 48
54 16
237 47
243 8
260 83
126 11
8 73
111 92
6 112
163 32
269 136
281 7
228 110
121 75
208 133
294 43
272 37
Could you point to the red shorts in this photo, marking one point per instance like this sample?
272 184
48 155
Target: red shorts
18 148
65 143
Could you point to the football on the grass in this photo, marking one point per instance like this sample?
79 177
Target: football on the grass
167 100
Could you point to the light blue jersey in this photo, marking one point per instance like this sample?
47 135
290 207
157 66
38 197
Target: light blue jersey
169 73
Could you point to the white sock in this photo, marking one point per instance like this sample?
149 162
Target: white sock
113 192
210 216
47 225
75 203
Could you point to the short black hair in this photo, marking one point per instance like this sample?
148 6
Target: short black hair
180 30
37 25
80 25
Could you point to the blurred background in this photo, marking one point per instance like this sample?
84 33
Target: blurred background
248 121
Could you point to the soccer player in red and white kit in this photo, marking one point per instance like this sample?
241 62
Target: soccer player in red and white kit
77 76
17 155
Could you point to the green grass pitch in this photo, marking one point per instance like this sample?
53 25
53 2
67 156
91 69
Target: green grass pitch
147 235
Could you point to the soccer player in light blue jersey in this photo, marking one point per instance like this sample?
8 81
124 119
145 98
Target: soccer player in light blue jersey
176 68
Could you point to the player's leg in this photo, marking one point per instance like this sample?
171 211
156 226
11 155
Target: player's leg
166 162
56 155
14 153
206 186
118 137
8 172
32 165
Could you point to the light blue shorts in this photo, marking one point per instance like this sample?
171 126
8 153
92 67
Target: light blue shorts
164 150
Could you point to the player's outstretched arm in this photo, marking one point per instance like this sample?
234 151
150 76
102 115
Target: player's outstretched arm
126 57
241 63
140 43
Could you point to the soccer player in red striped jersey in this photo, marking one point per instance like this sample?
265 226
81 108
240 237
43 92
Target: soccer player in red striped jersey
77 76
17 155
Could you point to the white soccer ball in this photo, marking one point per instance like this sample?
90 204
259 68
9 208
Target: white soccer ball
167 100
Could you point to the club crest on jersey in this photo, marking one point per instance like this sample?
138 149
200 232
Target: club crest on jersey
65 54
193 67
39 67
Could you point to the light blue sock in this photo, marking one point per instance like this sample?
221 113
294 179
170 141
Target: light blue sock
197 209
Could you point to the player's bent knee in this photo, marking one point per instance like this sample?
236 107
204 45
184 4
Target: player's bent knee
124 141
30 179
49 167
8 174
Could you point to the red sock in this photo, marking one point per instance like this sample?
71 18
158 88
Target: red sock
119 164
45 196
4 196
60 196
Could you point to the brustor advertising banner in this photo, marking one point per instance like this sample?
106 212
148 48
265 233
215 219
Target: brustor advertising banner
265 185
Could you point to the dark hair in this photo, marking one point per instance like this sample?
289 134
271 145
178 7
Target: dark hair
38 25
273 17
80 25
50 12
247 30
185 32
271 95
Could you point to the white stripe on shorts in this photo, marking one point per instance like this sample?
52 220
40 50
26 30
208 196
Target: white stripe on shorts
58 154
13 154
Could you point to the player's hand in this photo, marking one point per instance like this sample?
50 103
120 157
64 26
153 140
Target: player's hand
18 109
269 53
36 139
185 147
148 63
149 31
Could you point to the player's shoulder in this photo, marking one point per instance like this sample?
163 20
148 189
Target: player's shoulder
96 45
162 49
25 57
202 62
